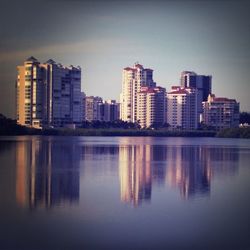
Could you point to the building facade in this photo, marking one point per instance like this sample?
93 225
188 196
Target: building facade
48 94
92 107
151 106
133 78
182 108
221 112
203 84
108 111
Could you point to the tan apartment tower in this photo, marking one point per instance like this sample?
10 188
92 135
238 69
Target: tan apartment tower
48 94
133 78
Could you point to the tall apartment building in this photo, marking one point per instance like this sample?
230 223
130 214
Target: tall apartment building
221 112
203 84
182 108
91 107
83 103
48 94
108 111
151 106
133 78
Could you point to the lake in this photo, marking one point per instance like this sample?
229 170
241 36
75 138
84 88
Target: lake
124 193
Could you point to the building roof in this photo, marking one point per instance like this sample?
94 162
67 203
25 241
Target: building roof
137 65
179 91
32 59
213 98
223 99
51 61
129 68
151 89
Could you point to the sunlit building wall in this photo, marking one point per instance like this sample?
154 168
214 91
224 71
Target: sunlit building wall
182 108
30 91
133 78
48 94
151 104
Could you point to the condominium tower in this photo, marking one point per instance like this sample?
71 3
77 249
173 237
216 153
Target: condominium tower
133 78
182 108
48 94
151 106
202 83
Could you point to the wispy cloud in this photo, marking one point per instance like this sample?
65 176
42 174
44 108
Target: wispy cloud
88 46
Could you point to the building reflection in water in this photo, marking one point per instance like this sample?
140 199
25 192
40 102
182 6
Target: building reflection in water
190 168
47 173
135 173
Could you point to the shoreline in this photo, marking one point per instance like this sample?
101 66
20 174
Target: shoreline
226 133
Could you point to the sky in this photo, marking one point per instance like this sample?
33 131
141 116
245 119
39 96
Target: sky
206 36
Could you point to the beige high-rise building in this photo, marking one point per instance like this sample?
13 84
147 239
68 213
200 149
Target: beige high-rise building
133 78
30 89
48 94
182 108
151 103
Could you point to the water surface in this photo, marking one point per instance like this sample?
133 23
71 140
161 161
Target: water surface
124 193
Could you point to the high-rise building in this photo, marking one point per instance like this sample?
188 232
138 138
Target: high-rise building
182 108
30 89
48 94
151 104
108 111
203 84
221 112
91 107
133 78
83 103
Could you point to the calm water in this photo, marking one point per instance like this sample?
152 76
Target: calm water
124 193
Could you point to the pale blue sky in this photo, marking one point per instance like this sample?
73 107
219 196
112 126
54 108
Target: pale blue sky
103 37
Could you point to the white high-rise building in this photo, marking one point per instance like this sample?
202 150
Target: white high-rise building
133 78
151 103
48 94
182 108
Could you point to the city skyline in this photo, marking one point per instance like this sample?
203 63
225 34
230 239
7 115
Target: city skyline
170 37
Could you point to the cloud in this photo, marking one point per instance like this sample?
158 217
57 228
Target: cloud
87 46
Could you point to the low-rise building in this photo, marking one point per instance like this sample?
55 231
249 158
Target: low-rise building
221 112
